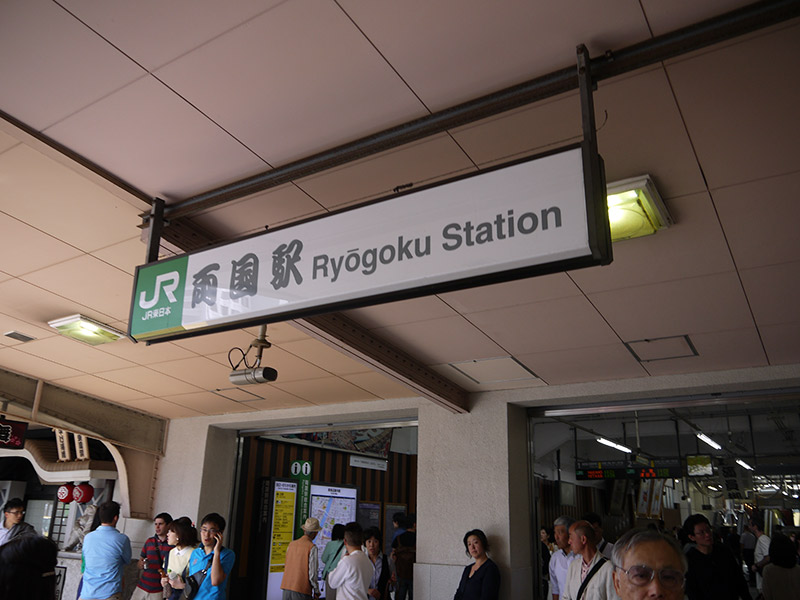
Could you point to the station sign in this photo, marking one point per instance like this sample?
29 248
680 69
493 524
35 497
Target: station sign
535 216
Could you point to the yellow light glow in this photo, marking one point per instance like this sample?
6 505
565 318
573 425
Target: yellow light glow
635 209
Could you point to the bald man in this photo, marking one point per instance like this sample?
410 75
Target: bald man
589 576
648 564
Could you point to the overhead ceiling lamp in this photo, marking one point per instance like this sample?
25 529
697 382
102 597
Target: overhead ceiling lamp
743 464
703 437
635 208
86 330
614 445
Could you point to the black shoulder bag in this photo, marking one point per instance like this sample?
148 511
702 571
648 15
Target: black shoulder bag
194 581
589 575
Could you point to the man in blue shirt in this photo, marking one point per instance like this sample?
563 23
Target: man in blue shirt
106 551
213 558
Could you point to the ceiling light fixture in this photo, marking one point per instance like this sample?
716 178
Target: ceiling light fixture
616 446
635 208
86 330
703 437
741 463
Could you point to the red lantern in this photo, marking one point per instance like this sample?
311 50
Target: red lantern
65 492
82 493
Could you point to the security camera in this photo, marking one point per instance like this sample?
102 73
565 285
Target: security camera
251 376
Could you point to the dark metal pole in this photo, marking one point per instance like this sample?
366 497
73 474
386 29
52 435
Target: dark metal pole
155 227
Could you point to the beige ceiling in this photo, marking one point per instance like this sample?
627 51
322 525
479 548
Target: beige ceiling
177 98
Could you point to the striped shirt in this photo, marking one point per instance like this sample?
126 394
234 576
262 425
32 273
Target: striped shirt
154 552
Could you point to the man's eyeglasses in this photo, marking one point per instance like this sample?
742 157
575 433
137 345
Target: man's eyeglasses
16 512
207 530
640 575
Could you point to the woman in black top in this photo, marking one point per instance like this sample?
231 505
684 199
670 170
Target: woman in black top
481 579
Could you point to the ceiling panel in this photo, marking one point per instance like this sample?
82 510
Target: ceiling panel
275 399
769 307
8 323
420 163
57 57
664 17
781 343
142 354
15 234
687 306
71 279
78 355
172 28
198 371
595 363
279 333
217 342
289 367
545 326
325 357
125 256
734 142
760 220
54 199
208 403
379 385
463 49
158 144
35 305
328 390
7 142
148 381
101 388
403 311
162 408
300 99
512 293
446 340
667 255
470 385
40 368
255 213
738 349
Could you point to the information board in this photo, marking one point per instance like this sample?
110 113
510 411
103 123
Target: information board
283 503
331 504
369 514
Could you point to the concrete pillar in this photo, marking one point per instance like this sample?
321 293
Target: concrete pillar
472 473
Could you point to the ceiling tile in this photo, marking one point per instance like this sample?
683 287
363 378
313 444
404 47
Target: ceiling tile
289 367
773 293
27 364
738 349
753 134
444 340
216 342
512 293
162 408
56 57
208 403
8 323
52 198
781 343
545 326
7 142
100 388
760 220
255 213
90 282
325 357
173 28
345 92
664 17
148 381
687 306
403 311
327 390
280 333
470 385
668 254
36 305
276 399
126 255
420 163
170 149
463 49
596 363
198 371
76 354
380 385
142 354
45 249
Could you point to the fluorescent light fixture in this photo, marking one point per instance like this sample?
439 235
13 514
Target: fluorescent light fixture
703 437
86 330
635 208
611 444
741 463
713 487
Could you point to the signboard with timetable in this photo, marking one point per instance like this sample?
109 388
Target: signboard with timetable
534 216
621 469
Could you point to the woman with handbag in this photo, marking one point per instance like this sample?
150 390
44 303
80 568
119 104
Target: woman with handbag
334 550
183 537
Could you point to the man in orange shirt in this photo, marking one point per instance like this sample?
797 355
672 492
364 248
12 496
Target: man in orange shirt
300 573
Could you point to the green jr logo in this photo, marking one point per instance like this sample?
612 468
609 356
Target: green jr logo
158 299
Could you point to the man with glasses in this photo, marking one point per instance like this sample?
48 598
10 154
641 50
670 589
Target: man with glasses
648 564
211 562
713 572
13 525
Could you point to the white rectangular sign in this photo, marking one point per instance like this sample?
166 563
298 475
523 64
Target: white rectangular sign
528 214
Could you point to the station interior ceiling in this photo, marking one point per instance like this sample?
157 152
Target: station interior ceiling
106 105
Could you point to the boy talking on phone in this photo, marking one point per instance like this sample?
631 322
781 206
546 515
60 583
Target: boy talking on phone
211 562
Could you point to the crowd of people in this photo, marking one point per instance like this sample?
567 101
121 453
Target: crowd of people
693 562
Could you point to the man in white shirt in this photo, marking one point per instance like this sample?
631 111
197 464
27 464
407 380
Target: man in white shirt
590 576
352 575
12 525
762 550
559 562
603 546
